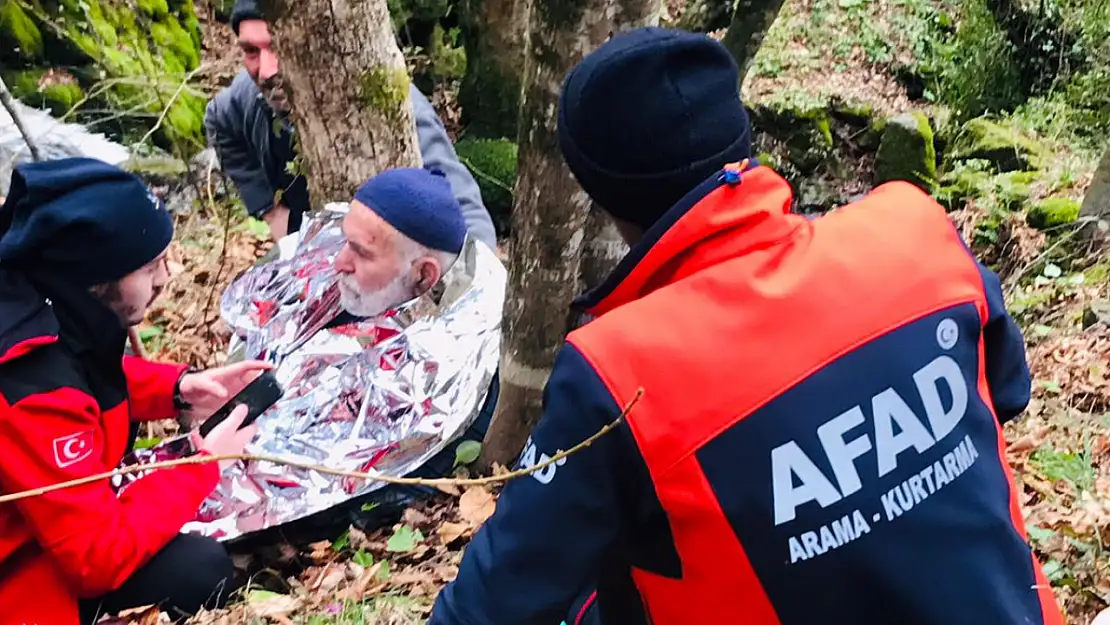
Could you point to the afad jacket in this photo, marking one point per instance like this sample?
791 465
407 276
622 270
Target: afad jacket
818 439
68 401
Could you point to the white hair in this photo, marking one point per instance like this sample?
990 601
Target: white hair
410 251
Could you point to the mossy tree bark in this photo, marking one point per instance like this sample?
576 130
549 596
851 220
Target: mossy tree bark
706 16
494 33
1096 204
349 90
751 19
549 213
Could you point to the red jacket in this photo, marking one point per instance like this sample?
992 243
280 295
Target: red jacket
66 410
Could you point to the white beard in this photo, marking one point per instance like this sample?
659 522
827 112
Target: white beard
375 303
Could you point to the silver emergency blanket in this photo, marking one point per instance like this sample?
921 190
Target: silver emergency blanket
382 395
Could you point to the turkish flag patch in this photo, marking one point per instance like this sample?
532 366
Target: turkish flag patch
73 448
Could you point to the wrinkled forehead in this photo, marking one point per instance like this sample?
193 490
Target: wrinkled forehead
363 228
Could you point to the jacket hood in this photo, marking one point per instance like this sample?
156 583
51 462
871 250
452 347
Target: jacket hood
715 221
26 319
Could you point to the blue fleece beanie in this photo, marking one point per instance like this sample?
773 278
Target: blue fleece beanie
648 116
420 204
81 219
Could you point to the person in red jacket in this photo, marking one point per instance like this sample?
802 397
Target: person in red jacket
819 435
82 256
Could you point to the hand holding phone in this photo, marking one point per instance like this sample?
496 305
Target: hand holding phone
232 427
230 436
258 396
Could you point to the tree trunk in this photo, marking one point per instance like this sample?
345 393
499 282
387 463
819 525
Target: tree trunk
549 213
751 20
1096 204
494 34
604 248
349 89
706 16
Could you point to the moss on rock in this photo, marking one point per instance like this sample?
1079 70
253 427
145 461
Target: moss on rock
1007 149
906 152
17 27
147 49
803 128
493 165
1053 212
30 87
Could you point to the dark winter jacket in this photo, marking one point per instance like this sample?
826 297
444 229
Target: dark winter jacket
841 459
240 125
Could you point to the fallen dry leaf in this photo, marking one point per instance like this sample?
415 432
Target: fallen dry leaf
450 532
275 606
144 615
476 505
328 578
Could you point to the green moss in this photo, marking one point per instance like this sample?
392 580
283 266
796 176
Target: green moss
17 28
1053 212
1008 149
957 187
907 153
154 8
493 163
62 97
448 59
1097 274
58 96
384 89
149 52
802 125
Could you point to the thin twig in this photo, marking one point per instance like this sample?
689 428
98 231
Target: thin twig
9 104
407 481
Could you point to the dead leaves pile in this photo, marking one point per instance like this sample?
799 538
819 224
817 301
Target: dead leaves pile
392 574
1060 448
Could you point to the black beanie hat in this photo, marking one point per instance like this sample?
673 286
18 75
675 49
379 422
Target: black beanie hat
648 116
82 220
244 10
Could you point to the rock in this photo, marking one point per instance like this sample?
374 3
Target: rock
1096 312
804 129
1007 149
906 152
492 162
1053 212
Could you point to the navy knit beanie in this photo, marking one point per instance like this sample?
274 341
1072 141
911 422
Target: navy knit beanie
83 220
420 204
244 10
648 116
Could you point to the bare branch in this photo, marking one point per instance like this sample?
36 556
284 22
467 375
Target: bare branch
410 481
9 104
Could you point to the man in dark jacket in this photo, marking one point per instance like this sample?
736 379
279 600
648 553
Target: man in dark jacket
254 150
82 255
818 438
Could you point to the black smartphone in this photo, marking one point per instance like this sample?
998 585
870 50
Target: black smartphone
259 395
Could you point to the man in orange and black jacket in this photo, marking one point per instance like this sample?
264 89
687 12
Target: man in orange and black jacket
819 436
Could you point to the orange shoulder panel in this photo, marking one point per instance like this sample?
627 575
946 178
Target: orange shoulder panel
715 345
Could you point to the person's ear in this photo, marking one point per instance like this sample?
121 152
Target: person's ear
427 274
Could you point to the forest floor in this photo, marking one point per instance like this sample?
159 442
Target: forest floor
1060 448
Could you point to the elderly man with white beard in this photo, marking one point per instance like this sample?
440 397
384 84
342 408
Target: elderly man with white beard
404 229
